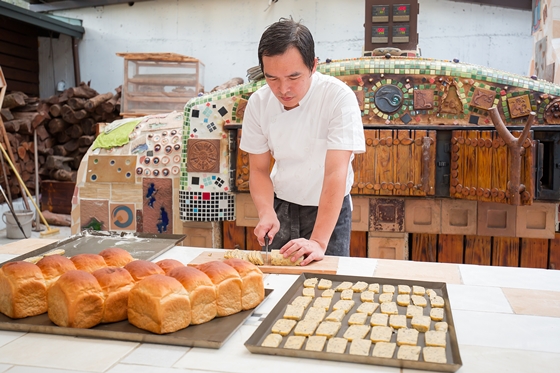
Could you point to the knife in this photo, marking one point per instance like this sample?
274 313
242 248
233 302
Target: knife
266 240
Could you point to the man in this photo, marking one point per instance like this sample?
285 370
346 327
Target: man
311 125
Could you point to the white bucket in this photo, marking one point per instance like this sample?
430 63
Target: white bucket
25 218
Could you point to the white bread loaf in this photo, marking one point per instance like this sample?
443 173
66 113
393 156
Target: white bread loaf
23 291
159 304
140 269
53 266
75 300
115 283
252 279
88 262
202 293
228 286
116 257
169 264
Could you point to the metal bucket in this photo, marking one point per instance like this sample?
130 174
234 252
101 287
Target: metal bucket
25 218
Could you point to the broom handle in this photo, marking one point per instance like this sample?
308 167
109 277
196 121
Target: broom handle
23 185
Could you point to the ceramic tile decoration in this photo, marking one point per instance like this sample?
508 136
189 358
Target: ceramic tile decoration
122 216
157 211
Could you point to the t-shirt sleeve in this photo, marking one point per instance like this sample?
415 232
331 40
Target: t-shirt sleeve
253 140
346 131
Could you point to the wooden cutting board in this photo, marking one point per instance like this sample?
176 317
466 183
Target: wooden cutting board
329 265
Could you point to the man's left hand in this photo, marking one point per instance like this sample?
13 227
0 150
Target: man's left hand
299 247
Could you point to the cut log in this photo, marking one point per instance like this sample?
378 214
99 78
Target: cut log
55 110
13 125
76 103
109 106
14 100
83 91
68 114
58 150
62 137
6 115
75 131
63 175
86 140
56 125
62 220
55 162
42 133
71 145
89 126
94 102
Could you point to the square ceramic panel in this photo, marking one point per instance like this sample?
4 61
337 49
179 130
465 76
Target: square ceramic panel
111 169
458 216
207 206
423 99
387 214
94 214
203 155
122 216
157 209
537 220
388 246
496 219
160 155
422 215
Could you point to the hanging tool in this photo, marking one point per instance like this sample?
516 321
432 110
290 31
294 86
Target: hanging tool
35 153
5 172
49 230
12 210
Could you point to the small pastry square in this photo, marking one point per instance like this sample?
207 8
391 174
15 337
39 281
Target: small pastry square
337 315
413 310
328 293
421 323
437 301
294 342
345 305
435 338
315 314
418 290
367 308
385 297
389 308
367 296
306 327
441 326
272 340
309 292
293 312
403 300
436 314
360 347
337 345
310 282
388 289
328 328
344 285
283 326
357 319
302 301
397 321
379 319
324 284
434 355
431 293
323 303
403 289
381 334
347 294
356 332
419 300
409 352
359 286
374 288
315 343
384 349
407 337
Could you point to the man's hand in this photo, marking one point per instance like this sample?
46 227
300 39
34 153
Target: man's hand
267 224
300 247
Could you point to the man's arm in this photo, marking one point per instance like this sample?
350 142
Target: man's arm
330 204
262 193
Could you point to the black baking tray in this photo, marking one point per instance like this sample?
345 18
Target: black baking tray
454 361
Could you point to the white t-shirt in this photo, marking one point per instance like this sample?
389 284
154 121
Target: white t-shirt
328 117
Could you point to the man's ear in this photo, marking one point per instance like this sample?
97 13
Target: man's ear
315 61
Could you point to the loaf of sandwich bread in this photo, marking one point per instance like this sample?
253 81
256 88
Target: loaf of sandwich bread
169 264
116 257
140 269
228 286
252 291
88 262
54 266
23 291
115 282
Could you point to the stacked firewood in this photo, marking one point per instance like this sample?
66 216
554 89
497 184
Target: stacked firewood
66 126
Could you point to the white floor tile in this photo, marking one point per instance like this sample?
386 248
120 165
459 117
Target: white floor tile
234 357
4 367
155 355
478 298
356 266
508 331
131 368
510 277
7 337
63 352
28 369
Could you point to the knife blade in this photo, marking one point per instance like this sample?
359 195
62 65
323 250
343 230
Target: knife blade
266 240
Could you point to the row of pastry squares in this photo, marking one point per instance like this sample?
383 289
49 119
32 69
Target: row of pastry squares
87 289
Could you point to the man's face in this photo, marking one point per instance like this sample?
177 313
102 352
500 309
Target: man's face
288 77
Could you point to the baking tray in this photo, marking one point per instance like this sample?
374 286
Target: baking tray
454 361
212 334
144 246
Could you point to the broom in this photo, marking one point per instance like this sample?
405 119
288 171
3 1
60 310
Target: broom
49 230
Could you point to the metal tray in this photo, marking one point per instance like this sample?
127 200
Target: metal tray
145 246
212 334
454 362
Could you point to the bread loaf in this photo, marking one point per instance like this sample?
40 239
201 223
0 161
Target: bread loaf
75 300
22 290
228 286
159 304
252 282
116 257
140 269
88 262
115 283
169 264
202 293
53 266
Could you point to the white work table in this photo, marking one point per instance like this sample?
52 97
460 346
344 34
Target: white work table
506 320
